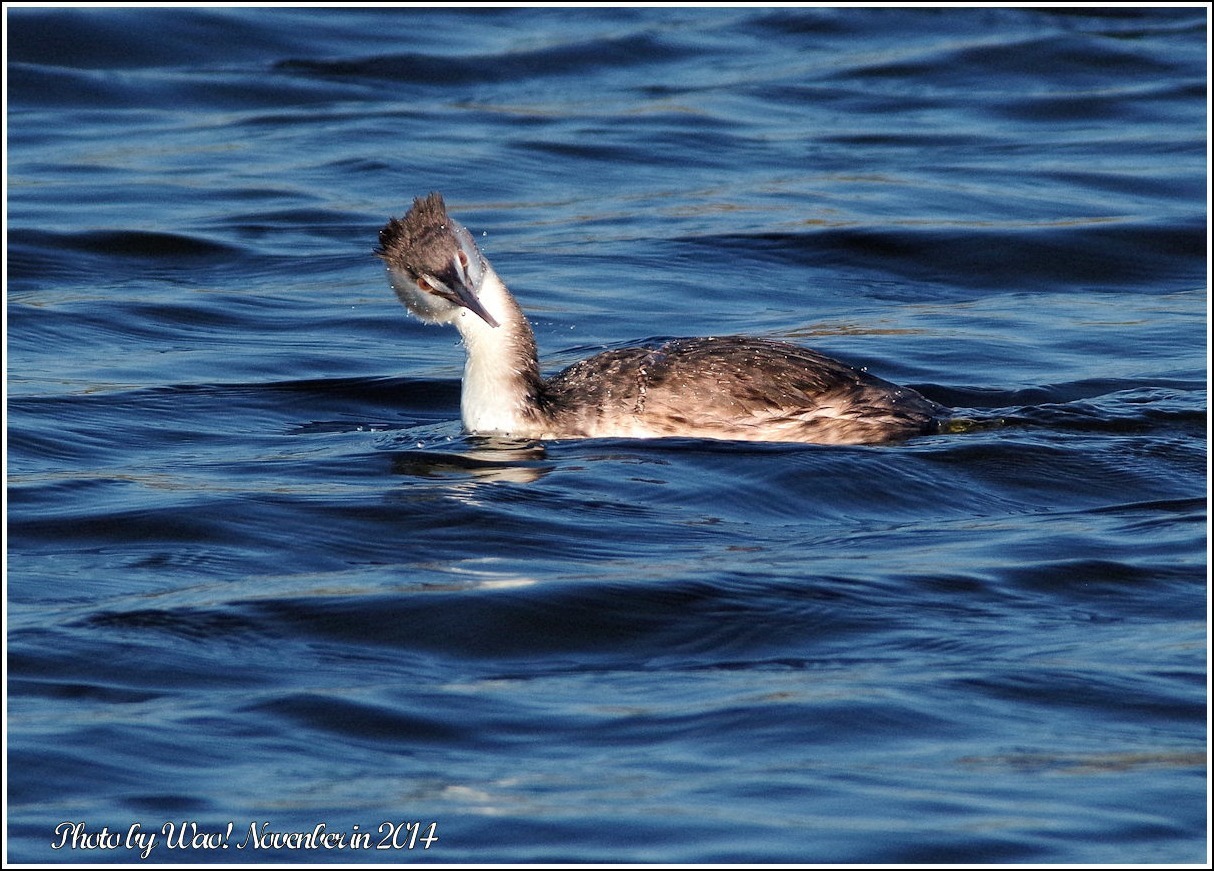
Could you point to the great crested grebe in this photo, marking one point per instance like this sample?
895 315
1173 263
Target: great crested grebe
727 387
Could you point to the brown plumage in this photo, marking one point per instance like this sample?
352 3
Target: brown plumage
735 387
422 241
729 387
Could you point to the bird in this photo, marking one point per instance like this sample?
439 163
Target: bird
734 388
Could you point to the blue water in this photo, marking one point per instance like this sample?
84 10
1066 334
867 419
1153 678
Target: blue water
257 577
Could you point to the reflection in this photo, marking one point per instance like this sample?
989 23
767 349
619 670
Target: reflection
484 458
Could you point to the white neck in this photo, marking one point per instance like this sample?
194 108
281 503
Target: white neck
501 373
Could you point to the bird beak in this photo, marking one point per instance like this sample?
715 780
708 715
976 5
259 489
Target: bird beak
465 297
458 289
467 272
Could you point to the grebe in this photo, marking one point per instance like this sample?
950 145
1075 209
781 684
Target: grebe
726 387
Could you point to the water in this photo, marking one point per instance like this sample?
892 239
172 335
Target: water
258 578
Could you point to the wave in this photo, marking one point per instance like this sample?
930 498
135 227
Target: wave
1078 254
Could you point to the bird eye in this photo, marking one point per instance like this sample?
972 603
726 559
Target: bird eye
463 259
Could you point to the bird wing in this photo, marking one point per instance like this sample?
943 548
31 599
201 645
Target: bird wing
735 387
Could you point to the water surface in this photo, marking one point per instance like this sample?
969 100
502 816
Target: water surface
257 577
